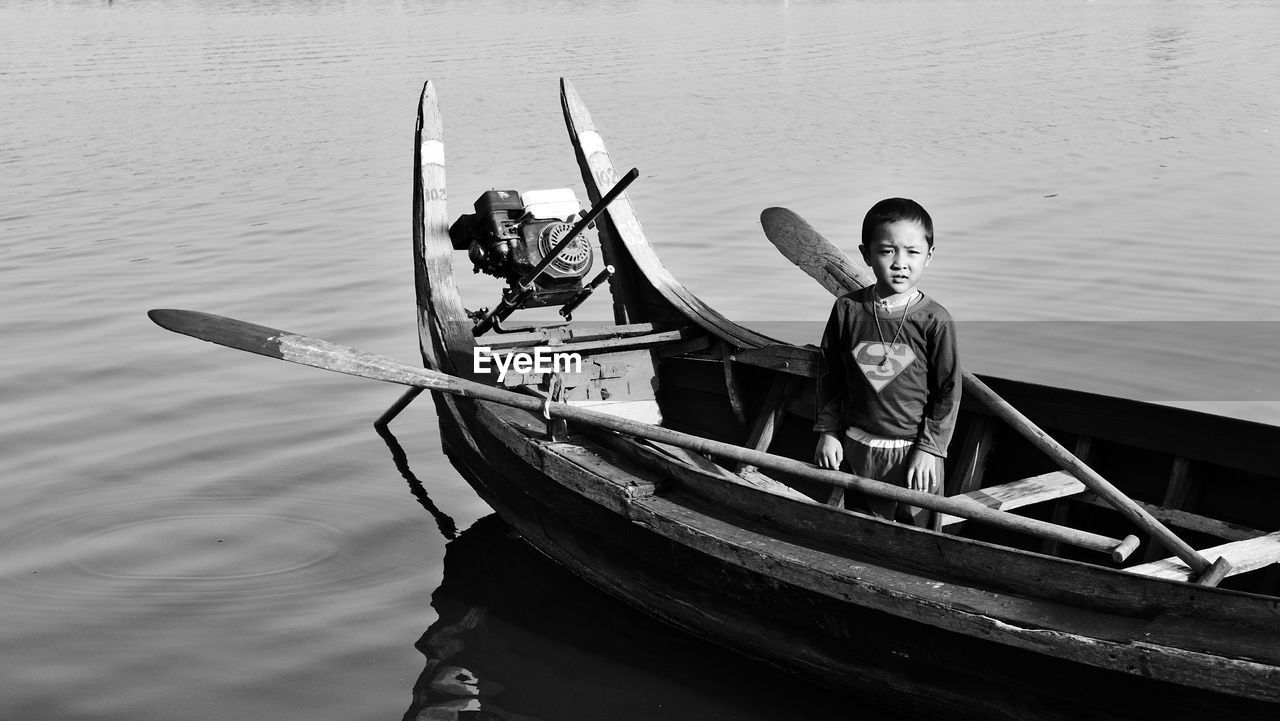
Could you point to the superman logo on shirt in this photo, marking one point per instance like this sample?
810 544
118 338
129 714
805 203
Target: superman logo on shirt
882 362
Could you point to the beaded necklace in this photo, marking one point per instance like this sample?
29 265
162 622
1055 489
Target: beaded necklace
875 312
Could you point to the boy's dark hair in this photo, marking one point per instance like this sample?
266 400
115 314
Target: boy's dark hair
892 210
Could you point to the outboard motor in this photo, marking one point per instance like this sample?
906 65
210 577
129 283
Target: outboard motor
535 245
509 235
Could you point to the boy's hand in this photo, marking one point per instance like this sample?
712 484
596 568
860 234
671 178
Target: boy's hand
922 471
830 452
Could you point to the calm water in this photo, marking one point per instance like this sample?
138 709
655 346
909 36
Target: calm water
190 532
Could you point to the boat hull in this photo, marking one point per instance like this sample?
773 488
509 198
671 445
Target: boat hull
877 657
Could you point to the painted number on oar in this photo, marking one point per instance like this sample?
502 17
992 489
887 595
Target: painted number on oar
434 194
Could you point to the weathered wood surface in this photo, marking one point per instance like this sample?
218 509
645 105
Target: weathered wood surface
804 246
858 539
443 326
669 460
1091 478
1214 439
1067 631
733 389
1062 507
760 437
985 565
1028 491
971 468
971 465
793 360
1071 631
1177 494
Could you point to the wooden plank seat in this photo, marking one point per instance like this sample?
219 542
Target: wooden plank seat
1247 555
1006 496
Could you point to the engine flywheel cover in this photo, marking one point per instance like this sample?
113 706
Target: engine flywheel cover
572 261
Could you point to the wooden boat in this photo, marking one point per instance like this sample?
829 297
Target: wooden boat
679 487
964 621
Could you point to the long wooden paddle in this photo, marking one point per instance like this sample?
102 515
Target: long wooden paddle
329 356
826 263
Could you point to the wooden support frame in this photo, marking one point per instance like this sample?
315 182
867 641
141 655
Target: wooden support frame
1062 506
971 466
1182 489
731 385
766 422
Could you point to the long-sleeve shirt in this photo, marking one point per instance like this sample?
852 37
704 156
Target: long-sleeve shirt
914 394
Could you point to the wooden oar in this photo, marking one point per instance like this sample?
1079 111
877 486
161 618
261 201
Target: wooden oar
826 263
329 356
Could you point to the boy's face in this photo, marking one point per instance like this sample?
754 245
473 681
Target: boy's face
898 254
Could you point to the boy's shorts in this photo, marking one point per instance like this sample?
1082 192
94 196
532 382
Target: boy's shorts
884 459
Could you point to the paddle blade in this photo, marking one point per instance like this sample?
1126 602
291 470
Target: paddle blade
810 251
295 348
221 330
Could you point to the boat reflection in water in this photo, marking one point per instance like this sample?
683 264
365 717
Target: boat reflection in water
518 637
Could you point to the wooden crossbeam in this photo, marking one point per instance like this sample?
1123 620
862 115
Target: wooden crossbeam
1247 555
1025 492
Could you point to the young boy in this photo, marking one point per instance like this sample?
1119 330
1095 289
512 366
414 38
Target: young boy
889 388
